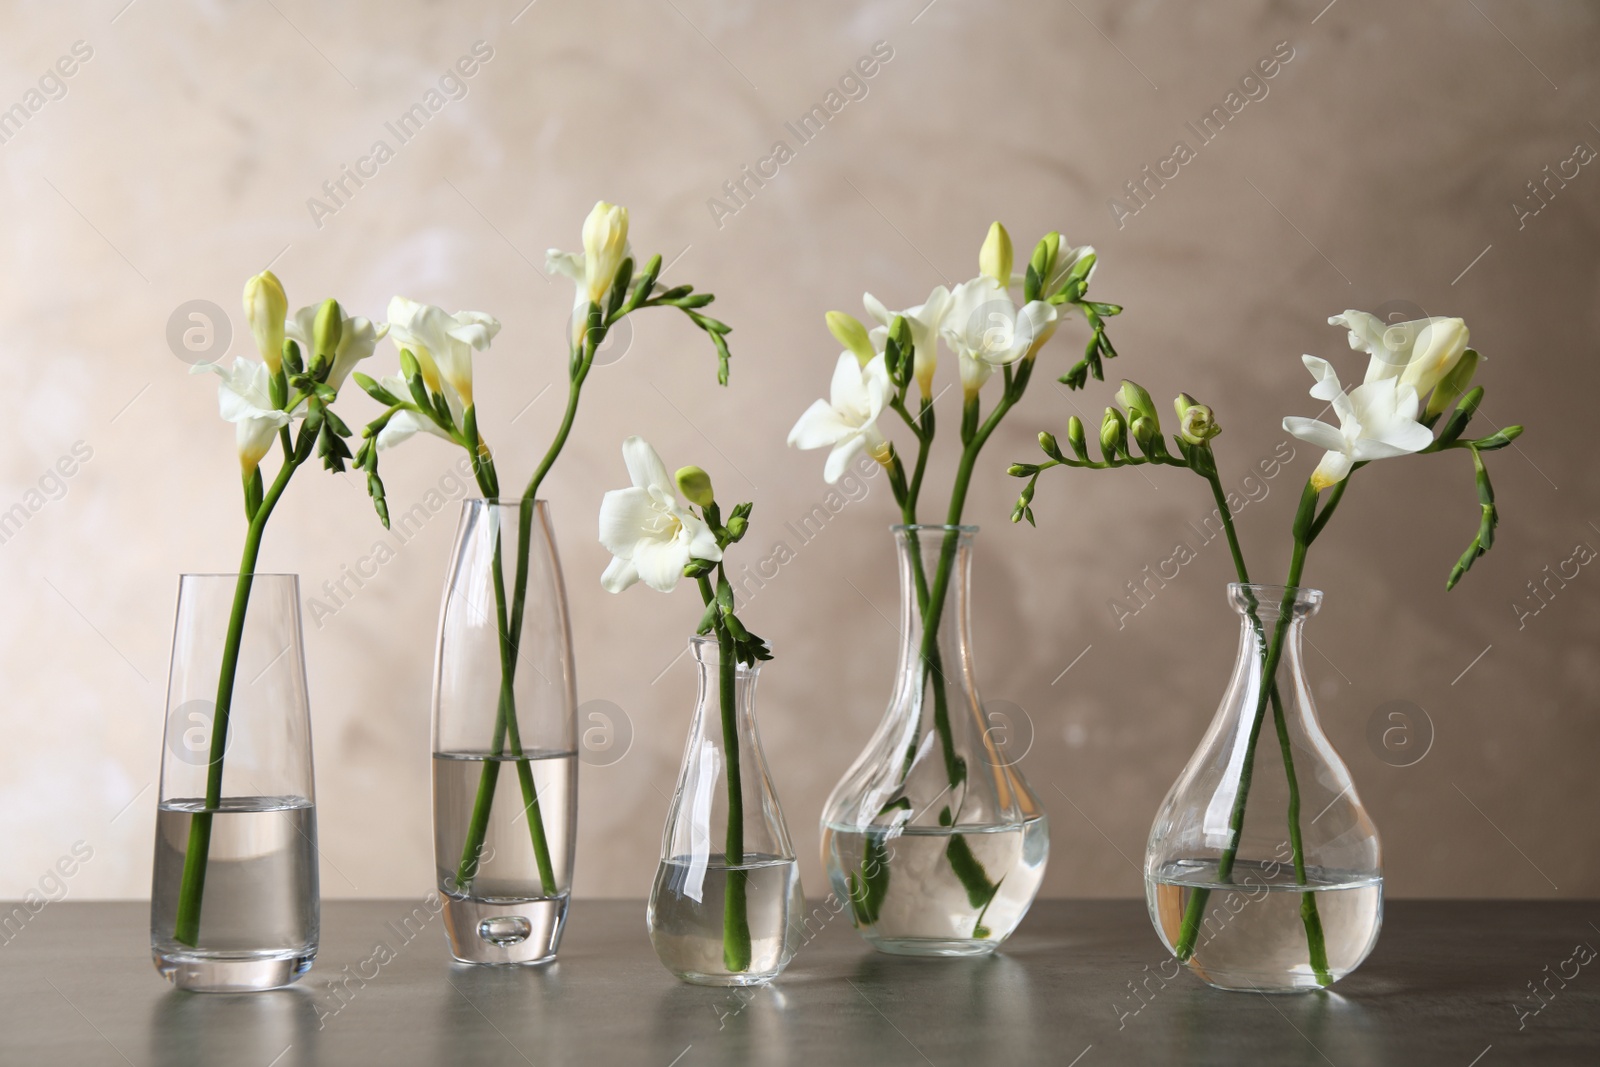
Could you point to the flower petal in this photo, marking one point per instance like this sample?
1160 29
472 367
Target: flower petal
1327 386
645 466
619 574
660 563
839 460
819 427
1313 432
628 516
702 542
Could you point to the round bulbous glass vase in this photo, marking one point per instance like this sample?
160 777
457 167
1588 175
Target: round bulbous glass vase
1263 872
726 905
505 764
933 836
234 903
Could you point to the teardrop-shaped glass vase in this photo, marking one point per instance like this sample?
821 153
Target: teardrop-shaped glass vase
727 893
505 721
1263 871
934 836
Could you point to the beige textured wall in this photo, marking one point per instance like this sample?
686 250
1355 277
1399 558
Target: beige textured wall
1382 163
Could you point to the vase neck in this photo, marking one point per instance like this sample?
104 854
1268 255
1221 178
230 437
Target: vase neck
709 668
935 576
1272 622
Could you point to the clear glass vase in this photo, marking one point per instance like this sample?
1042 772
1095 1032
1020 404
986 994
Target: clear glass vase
505 765
934 836
1263 871
726 900
234 902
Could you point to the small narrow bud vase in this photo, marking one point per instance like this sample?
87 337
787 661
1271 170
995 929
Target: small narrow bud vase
934 837
1263 871
233 902
727 900
505 722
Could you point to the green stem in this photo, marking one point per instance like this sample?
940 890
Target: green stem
191 891
1307 525
505 729
736 947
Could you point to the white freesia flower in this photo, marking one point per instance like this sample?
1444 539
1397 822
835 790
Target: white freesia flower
244 398
1419 352
265 309
357 338
1377 420
847 421
1067 258
595 268
649 532
405 423
986 330
924 321
443 343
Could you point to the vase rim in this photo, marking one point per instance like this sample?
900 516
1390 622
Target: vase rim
944 527
235 574
506 502
1271 596
706 649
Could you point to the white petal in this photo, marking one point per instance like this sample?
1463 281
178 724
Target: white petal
839 460
1335 466
645 466
1313 432
566 264
1327 386
701 541
819 427
619 574
404 424
847 392
876 309
660 563
475 328
628 516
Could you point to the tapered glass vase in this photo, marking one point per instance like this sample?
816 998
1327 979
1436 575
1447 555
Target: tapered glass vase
933 836
1263 871
233 903
726 905
505 765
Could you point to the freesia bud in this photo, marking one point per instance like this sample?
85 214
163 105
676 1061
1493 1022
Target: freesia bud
325 335
847 329
1196 425
1453 384
1113 434
1146 433
1133 397
994 259
1076 438
695 485
605 246
1183 402
265 309
1439 347
1044 255
1047 443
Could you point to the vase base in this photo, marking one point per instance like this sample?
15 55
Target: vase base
505 932
928 946
727 980
201 972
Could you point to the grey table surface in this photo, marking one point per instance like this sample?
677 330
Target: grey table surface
1081 983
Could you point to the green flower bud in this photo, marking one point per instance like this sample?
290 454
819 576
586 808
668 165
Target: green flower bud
1452 385
1183 402
1047 442
1147 434
1197 425
325 333
850 333
1138 403
695 485
1113 434
1075 437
